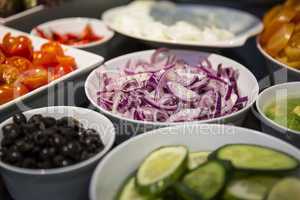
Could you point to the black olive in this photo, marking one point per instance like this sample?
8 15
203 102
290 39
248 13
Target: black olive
28 129
14 156
11 131
6 142
45 154
66 163
57 160
85 155
29 163
68 132
91 132
49 121
44 165
58 140
69 122
19 118
40 138
35 119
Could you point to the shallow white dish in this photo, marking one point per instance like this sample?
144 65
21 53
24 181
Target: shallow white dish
245 27
76 26
85 63
271 95
286 73
125 159
69 183
247 83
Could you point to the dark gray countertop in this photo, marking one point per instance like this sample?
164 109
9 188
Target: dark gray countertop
247 55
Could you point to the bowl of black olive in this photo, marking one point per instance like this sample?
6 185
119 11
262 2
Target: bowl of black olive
50 153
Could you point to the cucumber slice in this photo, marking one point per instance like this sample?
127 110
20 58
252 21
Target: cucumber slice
161 168
249 188
207 181
130 192
196 159
256 158
286 189
186 193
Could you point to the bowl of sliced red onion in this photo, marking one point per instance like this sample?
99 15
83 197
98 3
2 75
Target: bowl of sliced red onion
156 88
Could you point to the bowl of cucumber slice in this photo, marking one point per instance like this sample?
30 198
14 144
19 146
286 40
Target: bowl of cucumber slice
199 162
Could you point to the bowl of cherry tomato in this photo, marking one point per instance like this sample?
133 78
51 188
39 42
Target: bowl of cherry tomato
75 32
279 43
30 66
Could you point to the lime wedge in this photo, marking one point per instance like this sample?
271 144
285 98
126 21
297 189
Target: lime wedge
161 168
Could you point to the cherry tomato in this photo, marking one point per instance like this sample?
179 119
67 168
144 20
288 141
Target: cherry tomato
17 46
60 71
8 73
6 93
21 63
280 39
2 57
66 61
34 78
44 59
295 40
53 48
293 53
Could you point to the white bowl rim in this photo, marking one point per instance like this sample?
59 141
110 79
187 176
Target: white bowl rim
269 57
45 172
69 20
273 124
248 106
217 44
92 189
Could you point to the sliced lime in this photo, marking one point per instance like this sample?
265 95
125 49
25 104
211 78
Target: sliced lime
161 168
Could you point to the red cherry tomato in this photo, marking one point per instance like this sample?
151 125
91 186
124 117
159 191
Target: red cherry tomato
6 93
66 61
17 46
8 73
34 78
44 59
19 62
52 48
2 57
60 71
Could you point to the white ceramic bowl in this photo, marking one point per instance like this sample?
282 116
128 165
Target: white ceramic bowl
69 183
247 83
77 25
286 73
247 26
46 94
271 95
125 159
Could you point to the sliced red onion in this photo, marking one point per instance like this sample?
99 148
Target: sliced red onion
182 92
168 89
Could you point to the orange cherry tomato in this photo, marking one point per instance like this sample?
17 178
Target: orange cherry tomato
283 17
295 40
17 46
53 48
280 39
8 73
34 78
66 61
19 62
44 59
